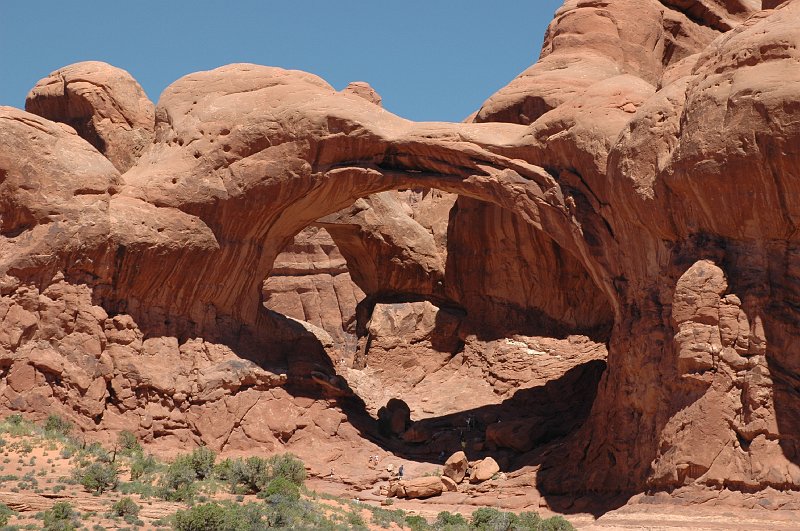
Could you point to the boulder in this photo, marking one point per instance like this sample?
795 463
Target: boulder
456 467
424 487
484 470
449 484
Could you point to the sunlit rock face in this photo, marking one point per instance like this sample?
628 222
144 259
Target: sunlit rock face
637 186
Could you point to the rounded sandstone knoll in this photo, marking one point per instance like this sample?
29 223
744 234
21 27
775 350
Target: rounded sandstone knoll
589 41
362 89
103 103
54 193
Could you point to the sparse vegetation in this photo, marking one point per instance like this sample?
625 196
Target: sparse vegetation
128 443
5 514
55 426
98 477
125 507
50 461
61 517
254 474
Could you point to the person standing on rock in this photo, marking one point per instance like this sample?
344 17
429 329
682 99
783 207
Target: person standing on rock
400 472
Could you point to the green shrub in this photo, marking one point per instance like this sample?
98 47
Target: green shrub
128 443
450 522
202 460
417 523
5 514
489 519
385 517
15 419
222 470
287 466
56 426
61 517
98 477
355 520
280 486
248 476
253 474
205 517
220 517
529 520
142 465
177 481
295 514
125 507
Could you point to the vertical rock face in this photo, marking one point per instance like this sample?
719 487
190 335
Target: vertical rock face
310 282
511 277
649 178
104 104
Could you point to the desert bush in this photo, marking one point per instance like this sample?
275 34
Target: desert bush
98 477
286 513
355 520
128 443
253 474
142 465
385 517
417 523
125 507
446 520
248 476
220 517
55 426
202 461
177 481
280 486
61 517
555 523
15 424
287 466
5 514
489 519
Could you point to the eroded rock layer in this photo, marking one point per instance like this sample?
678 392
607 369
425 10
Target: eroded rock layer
647 167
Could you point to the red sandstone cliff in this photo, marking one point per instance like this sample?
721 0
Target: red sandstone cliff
637 184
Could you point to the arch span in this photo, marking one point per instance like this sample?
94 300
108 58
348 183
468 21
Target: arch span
247 181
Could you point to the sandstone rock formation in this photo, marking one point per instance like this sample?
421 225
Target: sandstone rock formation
484 470
456 466
104 104
642 176
363 90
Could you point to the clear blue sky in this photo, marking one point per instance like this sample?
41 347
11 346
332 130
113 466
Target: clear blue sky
429 59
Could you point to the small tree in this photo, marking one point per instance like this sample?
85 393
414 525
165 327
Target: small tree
98 477
125 507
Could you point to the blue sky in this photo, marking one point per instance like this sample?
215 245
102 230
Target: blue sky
429 60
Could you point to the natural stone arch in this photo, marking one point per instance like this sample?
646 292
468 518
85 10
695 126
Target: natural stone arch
249 180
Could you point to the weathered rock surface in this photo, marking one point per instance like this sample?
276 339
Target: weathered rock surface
456 467
483 470
310 281
104 104
424 487
362 89
650 179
